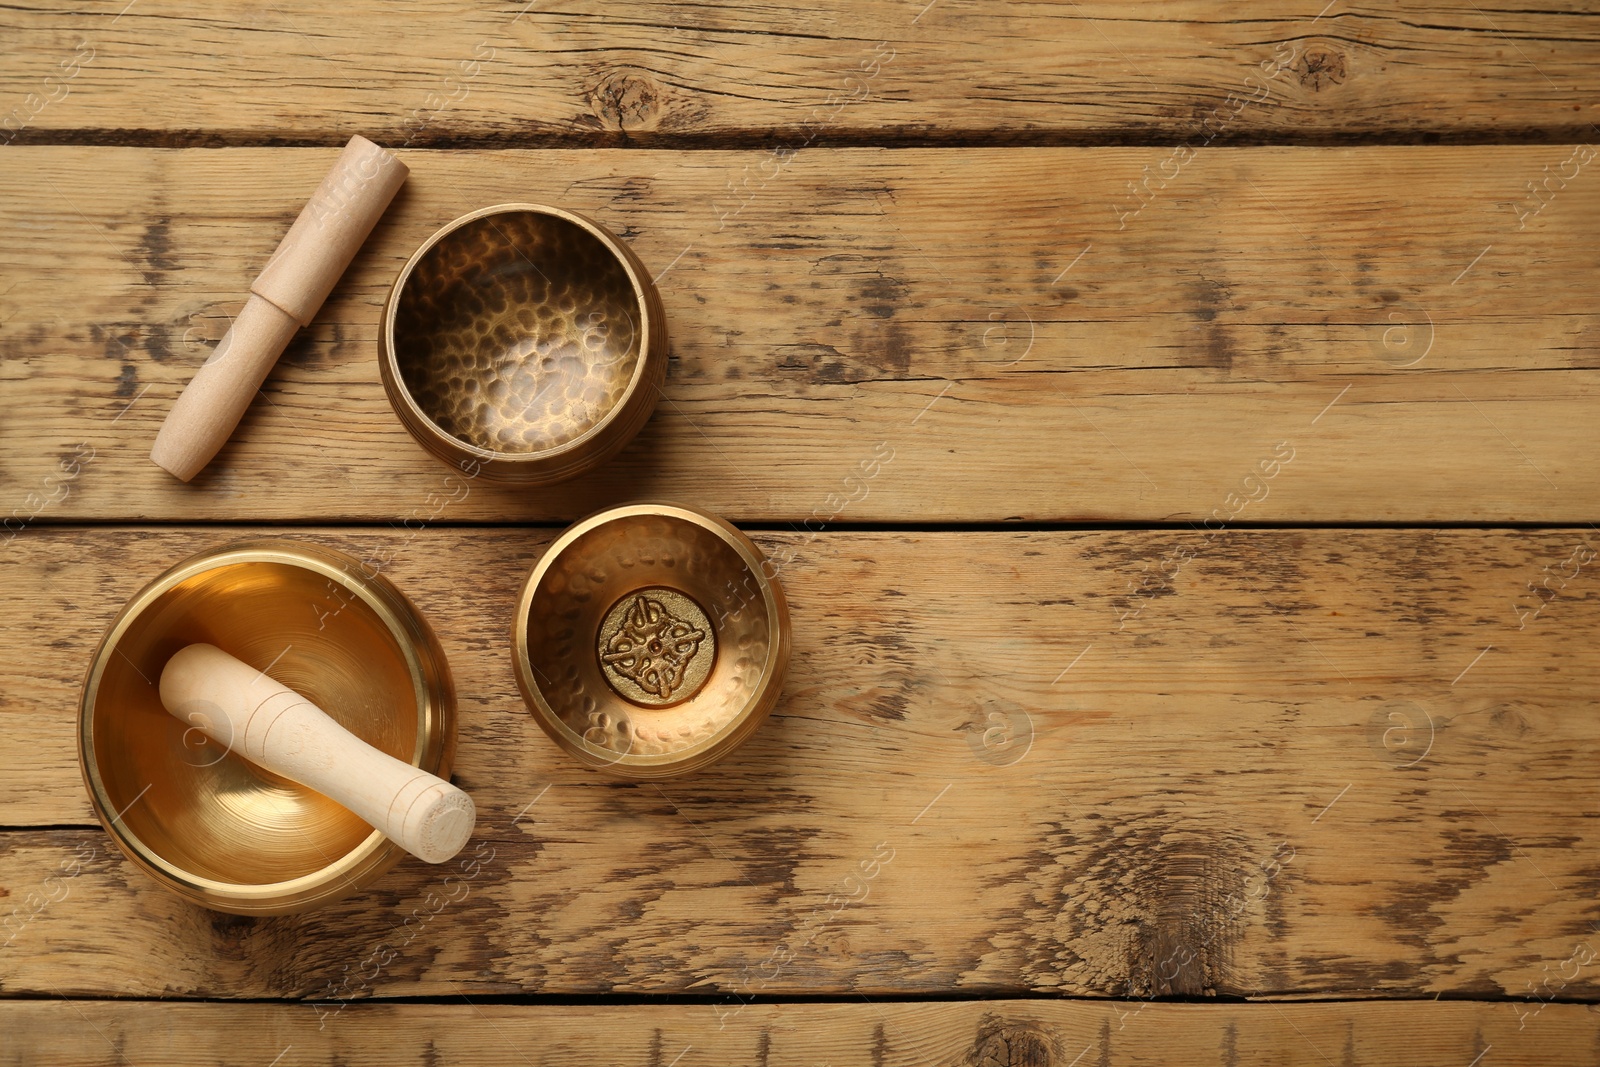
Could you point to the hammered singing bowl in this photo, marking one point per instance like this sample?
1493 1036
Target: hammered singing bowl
524 342
204 822
651 640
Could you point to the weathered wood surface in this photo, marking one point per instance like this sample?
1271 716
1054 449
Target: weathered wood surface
1289 769
797 73
1286 764
1378 312
996 1034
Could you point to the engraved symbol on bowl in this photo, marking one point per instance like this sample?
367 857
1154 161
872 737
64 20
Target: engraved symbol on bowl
656 647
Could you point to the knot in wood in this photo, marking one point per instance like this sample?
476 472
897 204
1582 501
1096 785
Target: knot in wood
626 100
1010 1045
1321 68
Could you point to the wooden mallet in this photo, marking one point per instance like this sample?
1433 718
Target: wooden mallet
286 296
247 712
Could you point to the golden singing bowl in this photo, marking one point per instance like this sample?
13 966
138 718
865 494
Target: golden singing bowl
209 825
651 640
525 342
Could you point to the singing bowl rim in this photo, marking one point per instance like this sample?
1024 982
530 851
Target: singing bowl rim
724 741
434 750
596 444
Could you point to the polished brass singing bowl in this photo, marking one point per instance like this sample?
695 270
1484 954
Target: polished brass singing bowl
525 342
209 825
651 640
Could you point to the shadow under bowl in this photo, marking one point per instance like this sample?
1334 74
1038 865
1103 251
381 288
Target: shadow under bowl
651 640
523 341
211 826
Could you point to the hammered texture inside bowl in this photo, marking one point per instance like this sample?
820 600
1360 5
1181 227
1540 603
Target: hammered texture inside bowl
518 332
605 570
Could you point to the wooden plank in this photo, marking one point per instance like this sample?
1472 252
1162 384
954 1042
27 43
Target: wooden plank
1003 326
796 73
1315 762
994 1034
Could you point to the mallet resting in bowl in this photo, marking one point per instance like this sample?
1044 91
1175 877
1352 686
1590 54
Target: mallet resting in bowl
246 711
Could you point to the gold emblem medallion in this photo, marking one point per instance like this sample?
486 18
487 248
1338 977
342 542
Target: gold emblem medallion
656 647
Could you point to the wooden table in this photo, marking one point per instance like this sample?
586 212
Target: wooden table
1205 674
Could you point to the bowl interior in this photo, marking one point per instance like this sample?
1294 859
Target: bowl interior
663 610
517 332
210 813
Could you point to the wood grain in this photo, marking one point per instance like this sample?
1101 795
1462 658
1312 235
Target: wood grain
996 1034
910 280
1004 324
1292 768
160 73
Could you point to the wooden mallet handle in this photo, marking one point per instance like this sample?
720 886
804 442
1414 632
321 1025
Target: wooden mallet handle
246 711
286 296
